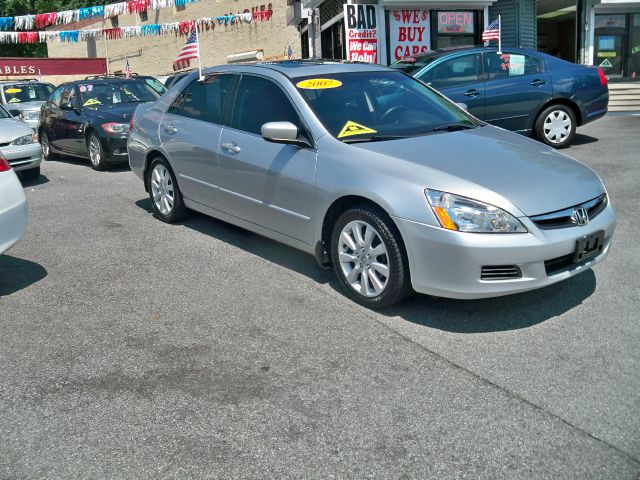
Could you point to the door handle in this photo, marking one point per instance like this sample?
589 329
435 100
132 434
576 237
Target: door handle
472 93
537 82
170 128
231 147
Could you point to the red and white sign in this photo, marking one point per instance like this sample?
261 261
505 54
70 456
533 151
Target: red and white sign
361 28
409 33
20 67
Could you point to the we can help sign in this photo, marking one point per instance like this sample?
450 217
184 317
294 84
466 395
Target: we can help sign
362 33
409 33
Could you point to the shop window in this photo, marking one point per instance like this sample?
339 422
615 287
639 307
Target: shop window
457 71
115 22
455 28
508 65
332 39
304 44
143 16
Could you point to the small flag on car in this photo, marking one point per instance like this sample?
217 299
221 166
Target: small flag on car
492 32
127 68
189 52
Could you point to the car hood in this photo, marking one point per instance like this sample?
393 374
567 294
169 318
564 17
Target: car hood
532 177
117 113
12 128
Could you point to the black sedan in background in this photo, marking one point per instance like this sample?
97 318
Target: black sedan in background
517 89
90 118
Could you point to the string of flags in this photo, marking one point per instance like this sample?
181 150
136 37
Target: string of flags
177 28
50 19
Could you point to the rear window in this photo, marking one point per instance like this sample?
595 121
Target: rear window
26 92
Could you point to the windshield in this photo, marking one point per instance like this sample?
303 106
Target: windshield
379 106
410 65
26 92
94 95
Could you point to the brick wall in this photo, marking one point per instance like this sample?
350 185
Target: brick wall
154 55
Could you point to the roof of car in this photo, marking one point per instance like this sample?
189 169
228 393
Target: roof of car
307 67
440 52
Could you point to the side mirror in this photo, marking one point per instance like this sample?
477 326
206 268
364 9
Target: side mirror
282 132
463 106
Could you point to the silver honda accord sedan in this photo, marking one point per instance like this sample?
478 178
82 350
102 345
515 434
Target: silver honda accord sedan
374 173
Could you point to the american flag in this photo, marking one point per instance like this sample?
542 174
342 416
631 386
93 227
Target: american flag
127 68
188 52
492 32
290 54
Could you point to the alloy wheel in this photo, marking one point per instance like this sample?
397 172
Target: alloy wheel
44 142
363 257
162 189
95 150
557 126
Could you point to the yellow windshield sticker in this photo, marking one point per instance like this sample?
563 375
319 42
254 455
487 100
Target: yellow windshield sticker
14 100
353 128
92 101
319 83
12 90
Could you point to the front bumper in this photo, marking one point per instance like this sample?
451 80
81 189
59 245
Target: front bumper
444 263
23 157
13 210
115 149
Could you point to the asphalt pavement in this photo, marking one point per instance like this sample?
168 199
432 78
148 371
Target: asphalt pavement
130 348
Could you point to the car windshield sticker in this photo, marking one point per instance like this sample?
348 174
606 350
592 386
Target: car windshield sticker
91 102
319 83
13 90
353 128
86 88
14 100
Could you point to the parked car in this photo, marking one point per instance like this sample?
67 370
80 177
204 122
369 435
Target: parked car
91 118
522 90
19 145
376 174
13 207
23 98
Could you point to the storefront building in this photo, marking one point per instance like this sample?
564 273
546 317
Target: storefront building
410 27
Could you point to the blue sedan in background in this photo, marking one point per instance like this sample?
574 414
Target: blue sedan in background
522 90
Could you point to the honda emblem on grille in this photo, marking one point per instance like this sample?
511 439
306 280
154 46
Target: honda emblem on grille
580 216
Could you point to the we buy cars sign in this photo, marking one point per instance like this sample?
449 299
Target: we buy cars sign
409 33
361 28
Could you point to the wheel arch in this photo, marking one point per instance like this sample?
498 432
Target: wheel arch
559 101
149 156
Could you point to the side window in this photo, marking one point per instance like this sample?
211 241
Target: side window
69 96
509 65
56 96
259 101
203 100
453 72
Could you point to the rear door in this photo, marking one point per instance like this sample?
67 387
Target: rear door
517 85
190 133
458 77
70 134
268 184
51 114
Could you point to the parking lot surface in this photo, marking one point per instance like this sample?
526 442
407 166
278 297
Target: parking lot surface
130 348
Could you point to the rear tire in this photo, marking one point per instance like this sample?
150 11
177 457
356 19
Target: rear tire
556 126
369 259
47 154
164 192
31 174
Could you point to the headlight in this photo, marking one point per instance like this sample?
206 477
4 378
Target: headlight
465 215
115 127
25 140
29 115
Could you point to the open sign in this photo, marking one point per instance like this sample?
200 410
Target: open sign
455 22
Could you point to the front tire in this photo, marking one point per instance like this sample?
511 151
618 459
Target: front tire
369 258
96 153
556 126
164 192
47 154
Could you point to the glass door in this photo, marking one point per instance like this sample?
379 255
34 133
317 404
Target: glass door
633 63
610 44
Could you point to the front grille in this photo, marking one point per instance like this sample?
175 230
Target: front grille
16 160
564 218
500 272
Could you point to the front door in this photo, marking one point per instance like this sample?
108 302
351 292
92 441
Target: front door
517 85
268 184
190 133
70 134
460 79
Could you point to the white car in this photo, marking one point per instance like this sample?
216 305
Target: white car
19 146
13 207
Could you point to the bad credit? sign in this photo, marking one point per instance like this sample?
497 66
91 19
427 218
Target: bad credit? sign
361 29
409 33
